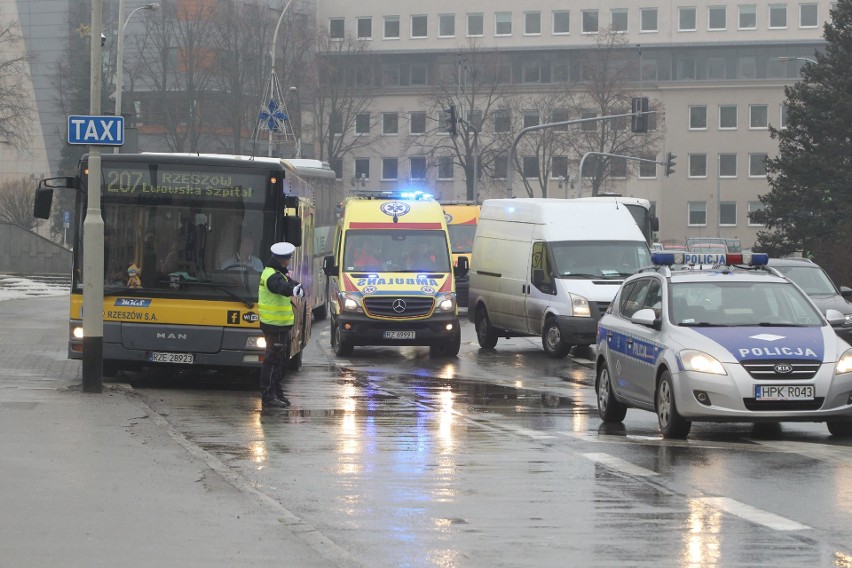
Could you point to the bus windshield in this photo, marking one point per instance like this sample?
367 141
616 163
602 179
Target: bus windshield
396 250
461 237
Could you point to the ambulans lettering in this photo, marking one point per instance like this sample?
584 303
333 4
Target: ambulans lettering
378 282
772 351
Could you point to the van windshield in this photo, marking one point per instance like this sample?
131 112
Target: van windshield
396 250
599 259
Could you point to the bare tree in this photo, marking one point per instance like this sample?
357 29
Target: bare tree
16 203
16 110
608 71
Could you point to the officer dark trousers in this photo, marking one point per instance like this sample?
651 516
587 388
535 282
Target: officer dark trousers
274 360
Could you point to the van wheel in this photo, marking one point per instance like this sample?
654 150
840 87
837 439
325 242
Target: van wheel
341 348
485 334
672 424
295 362
110 368
609 409
448 349
551 340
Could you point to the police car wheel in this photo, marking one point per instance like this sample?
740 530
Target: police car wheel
609 409
551 340
839 428
341 348
485 334
672 424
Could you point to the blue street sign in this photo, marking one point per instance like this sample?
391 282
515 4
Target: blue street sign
66 217
96 130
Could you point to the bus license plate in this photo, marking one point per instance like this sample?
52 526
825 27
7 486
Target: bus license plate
184 358
784 392
400 335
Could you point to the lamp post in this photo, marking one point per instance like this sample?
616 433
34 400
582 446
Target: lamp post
119 55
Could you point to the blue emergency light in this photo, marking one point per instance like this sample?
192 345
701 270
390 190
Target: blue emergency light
729 259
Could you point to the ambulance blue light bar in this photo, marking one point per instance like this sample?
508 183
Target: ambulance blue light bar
746 258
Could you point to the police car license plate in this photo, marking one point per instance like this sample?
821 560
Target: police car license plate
400 334
160 357
784 392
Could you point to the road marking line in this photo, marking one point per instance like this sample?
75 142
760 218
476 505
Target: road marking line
753 514
619 464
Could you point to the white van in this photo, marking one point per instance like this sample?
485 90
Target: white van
550 267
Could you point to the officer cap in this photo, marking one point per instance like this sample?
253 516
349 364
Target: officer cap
282 249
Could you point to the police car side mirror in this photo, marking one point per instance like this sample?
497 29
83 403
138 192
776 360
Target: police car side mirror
646 317
834 317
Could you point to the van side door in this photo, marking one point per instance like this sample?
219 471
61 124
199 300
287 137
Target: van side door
541 288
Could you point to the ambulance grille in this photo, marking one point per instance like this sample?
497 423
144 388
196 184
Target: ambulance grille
399 307
768 368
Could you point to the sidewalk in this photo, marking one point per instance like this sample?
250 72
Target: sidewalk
95 480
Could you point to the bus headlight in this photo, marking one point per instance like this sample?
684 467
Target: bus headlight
349 303
844 364
579 306
701 362
446 303
256 342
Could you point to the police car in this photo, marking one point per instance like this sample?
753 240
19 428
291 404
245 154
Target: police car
721 338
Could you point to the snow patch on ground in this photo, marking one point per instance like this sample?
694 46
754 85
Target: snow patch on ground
17 287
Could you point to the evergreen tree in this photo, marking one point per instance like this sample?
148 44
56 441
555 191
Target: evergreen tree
810 200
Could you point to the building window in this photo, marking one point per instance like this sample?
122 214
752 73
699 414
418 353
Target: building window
419 27
391 27
417 167
697 213
417 123
390 74
746 67
417 74
783 117
447 25
757 165
503 23
531 72
474 117
390 123
698 118
618 20
502 120
530 165
717 18
758 116
390 168
754 206
777 16
698 165
335 123
336 28
501 163
716 68
475 25
591 125
362 168
531 118
560 115
748 17
365 28
648 170
559 167
337 166
561 23
686 69
647 19
727 117
686 20
808 16
727 165
618 167
728 213
532 23
362 123
590 21
445 167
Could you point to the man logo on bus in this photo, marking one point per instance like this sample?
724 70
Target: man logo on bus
395 208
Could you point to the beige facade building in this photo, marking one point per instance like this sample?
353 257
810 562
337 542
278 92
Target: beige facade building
716 67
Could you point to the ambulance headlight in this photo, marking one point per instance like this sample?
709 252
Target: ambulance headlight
701 362
77 332
256 342
349 303
844 364
579 306
446 303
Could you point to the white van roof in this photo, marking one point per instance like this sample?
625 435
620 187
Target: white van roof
567 219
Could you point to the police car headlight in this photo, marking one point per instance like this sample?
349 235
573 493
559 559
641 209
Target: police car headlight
844 364
349 303
701 362
579 306
256 342
446 303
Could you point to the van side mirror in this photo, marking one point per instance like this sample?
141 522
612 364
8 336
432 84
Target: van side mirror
43 202
328 266
293 230
463 267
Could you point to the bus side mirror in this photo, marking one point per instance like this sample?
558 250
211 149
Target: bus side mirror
293 230
655 223
462 267
43 202
328 266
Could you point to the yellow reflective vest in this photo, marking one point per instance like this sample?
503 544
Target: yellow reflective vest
274 309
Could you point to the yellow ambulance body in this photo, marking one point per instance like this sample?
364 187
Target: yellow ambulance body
461 218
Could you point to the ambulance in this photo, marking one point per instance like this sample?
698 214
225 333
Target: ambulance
461 218
391 277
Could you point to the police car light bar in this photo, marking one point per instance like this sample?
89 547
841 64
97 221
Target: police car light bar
747 258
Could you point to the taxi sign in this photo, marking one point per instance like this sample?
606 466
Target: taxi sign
96 130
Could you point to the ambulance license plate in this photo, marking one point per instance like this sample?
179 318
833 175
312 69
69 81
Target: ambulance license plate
784 392
400 334
160 357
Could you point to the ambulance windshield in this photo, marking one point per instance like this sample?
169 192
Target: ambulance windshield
396 250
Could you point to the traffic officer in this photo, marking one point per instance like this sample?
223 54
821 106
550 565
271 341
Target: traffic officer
276 320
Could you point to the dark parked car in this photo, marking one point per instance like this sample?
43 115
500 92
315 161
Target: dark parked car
821 289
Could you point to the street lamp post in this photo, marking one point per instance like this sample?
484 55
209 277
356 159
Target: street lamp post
119 55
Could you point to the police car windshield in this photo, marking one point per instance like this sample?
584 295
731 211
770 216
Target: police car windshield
599 259
730 303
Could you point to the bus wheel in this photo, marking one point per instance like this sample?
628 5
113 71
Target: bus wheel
320 312
295 362
449 349
341 348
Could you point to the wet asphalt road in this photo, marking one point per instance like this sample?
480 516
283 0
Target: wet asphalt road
498 458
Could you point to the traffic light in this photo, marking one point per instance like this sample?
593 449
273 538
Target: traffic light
452 121
670 164
639 122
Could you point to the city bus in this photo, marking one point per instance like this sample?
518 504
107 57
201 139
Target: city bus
641 210
185 240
